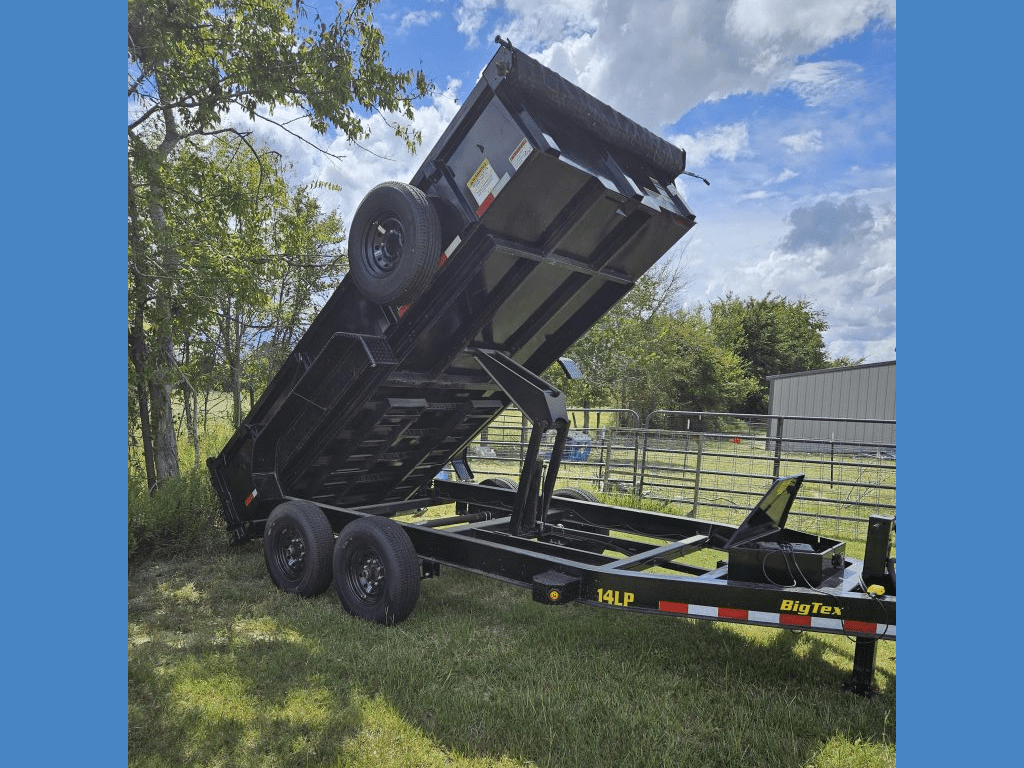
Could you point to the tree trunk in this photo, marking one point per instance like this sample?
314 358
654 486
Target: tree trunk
137 335
231 346
147 434
190 406
236 372
164 374
165 442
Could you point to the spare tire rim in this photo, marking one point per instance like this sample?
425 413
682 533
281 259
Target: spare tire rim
366 574
385 241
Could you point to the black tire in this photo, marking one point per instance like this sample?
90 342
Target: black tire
581 495
575 493
494 482
501 482
376 570
297 542
394 244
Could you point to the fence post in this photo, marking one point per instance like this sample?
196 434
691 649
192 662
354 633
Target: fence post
522 438
637 488
777 468
696 474
643 460
606 460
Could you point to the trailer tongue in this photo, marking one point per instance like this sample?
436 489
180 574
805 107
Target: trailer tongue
534 213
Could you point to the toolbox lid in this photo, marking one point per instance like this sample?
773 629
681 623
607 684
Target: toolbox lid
769 514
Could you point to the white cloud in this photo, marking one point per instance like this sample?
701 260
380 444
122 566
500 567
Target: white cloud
417 19
727 142
470 17
654 61
800 143
786 175
840 254
828 224
818 23
820 81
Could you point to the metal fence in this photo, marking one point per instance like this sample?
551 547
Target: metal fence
713 466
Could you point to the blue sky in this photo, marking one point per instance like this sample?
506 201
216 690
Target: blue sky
787 107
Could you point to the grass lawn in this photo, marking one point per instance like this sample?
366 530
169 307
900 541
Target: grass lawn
226 670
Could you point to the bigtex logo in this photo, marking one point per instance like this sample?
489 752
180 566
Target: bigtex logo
810 609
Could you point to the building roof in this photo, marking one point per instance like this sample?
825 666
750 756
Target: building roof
831 370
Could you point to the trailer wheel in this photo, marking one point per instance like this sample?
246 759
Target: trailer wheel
376 570
501 482
493 482
297 543
394 244
575 493
581 495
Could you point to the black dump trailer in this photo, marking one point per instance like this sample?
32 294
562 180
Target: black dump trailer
534 213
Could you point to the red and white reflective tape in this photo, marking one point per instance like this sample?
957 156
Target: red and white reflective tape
445 255
786 620
492 194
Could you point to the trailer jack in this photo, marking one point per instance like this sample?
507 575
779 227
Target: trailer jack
862 681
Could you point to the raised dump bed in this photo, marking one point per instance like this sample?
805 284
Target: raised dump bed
533 214
521 228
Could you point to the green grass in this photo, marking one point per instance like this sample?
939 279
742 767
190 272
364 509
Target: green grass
226 670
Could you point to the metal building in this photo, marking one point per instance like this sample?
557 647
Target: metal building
838 409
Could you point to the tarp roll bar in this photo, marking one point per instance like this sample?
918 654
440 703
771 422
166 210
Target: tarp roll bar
540 83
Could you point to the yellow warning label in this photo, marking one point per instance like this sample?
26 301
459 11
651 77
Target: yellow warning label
482 182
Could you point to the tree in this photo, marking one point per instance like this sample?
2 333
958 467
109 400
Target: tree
309 249
190 62
627 355
706 376
772 335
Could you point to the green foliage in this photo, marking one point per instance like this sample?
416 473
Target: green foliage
181 516
843 362
772 335
706 376
191 61
221 252
643 356
626 355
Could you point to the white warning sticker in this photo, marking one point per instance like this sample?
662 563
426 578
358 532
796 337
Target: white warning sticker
522 152
482 182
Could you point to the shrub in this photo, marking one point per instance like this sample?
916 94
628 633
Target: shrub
181 516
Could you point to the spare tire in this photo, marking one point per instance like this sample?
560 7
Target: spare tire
394 244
